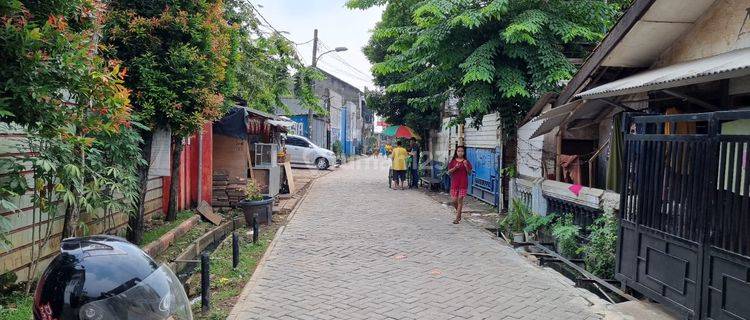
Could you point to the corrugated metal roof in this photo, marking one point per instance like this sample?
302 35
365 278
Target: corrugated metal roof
723 66
295 108
553 118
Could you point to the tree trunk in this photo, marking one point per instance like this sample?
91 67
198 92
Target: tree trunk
70 223
73 211
178 146
135 221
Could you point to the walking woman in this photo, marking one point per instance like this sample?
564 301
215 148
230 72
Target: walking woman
459 169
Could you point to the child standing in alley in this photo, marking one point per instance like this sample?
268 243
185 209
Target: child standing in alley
459 169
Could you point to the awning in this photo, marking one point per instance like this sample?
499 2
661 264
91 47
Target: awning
728 65
554 118
279 123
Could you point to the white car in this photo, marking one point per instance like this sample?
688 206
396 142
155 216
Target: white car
302 152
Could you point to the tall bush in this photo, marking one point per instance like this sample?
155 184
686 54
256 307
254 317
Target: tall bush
600 250
74 110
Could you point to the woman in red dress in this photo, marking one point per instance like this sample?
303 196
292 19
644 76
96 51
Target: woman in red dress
459 169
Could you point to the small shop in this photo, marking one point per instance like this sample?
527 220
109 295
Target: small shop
247 152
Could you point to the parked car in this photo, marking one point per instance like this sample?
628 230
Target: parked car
302 152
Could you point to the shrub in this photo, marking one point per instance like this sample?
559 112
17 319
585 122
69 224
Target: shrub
337 148
516 218
566 233
535 222
600 250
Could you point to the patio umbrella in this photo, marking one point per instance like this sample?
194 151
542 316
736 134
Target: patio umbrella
401 132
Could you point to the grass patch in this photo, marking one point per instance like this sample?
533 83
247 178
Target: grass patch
176 248
226 282
155 233
16 306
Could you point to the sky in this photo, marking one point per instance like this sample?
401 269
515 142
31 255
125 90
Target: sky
337 27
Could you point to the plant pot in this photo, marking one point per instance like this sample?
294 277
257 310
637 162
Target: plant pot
518 237
260 209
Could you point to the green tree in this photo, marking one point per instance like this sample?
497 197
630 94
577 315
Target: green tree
176 53
495 56
73 108
264 66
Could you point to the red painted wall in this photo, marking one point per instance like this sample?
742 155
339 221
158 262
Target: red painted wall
187 190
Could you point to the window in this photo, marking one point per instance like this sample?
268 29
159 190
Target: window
294 141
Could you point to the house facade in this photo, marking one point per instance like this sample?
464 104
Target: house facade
655 128
348 120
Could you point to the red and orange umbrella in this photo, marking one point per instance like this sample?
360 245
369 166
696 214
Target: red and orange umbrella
401 132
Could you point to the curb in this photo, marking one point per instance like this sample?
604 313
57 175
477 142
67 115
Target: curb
158 246
253 281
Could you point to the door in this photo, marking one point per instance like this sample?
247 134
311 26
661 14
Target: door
307 151
484 182
295 148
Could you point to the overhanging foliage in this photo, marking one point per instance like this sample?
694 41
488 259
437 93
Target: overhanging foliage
495 56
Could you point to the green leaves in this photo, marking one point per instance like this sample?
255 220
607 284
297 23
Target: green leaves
495 55
566 233
177 55
600 250
512 83
479 66
525 26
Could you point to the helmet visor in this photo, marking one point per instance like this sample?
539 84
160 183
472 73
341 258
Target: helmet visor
158 297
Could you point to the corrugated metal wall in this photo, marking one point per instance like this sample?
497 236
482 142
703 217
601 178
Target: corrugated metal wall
444 142
319 129
26 221
489 134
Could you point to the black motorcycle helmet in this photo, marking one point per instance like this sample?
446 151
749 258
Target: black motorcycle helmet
106 277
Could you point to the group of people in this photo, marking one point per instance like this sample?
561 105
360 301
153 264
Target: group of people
403 162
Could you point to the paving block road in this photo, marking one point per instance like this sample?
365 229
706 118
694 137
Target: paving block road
358 250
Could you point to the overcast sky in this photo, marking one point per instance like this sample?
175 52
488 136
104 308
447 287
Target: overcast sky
337 27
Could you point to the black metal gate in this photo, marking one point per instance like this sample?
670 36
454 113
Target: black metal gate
684 237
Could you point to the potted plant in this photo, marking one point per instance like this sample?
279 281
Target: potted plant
256 205
515 221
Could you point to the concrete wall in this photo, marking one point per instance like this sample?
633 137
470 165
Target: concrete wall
715 32
347 91
536 192
529 153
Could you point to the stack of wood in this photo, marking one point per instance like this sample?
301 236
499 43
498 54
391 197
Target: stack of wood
227 192
220 197
236 192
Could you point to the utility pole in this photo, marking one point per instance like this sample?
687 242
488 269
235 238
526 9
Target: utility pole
314 65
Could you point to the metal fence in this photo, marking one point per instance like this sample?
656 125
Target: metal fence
684 235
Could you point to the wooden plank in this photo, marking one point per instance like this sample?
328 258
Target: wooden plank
207 212
152 184
154 194
14 145
153 205
289 177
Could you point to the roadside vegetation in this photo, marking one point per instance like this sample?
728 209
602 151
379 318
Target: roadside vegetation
159 226
227 282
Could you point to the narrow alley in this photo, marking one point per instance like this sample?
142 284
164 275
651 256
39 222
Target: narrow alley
356 249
